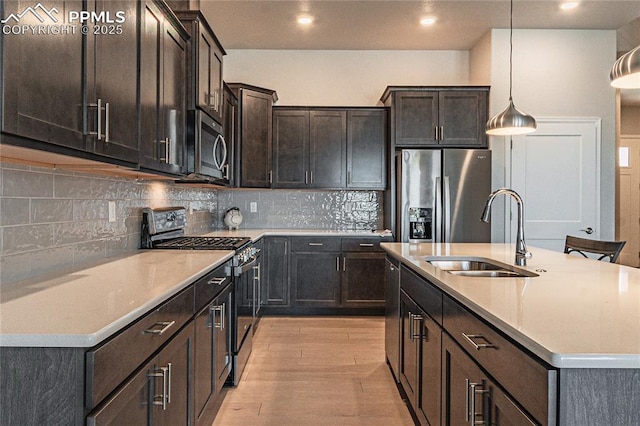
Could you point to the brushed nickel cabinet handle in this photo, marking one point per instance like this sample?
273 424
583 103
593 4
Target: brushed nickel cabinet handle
477 346
165 326
106 122
316 244
366 245
99 119
217 280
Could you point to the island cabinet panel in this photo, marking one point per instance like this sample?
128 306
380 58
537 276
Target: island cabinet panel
41 386
530 382
392 315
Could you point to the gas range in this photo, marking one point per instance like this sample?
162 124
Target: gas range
163 228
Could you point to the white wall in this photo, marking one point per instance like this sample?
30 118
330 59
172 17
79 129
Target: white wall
480 62
557 73
343 77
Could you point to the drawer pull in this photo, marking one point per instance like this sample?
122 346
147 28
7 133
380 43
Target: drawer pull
160 331
165 397
217 280
474 389
477 346
366 245
316 244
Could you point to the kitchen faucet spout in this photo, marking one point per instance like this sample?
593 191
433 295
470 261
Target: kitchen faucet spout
521 248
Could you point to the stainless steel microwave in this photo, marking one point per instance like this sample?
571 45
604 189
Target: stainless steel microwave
208 156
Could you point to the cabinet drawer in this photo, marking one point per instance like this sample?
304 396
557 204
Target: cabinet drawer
362 244
426 295
528 380
208 287
315 244
109 364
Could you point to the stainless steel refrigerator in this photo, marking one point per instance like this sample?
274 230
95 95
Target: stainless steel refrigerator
440 195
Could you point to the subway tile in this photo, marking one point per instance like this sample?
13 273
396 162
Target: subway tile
72 187
15 267
14 211
73 232
88 252
16 239
90 210
23 183
52 259
44 210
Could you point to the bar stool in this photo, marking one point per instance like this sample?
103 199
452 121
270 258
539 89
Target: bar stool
608 250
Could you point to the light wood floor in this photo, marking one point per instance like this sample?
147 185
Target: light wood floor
316 371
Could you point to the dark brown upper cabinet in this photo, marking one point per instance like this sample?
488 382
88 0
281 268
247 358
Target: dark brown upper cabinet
366 148
253 144
433 116
205 86
162 90
73 90
329 148
112 79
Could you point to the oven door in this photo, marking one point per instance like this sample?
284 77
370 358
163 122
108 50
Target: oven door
244 305
211 154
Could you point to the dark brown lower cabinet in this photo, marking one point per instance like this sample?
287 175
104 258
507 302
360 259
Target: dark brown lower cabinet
420 360
316 279
158 393
276 271
470 397
363 279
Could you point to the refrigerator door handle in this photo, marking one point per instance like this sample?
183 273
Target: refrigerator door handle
447 211
437 217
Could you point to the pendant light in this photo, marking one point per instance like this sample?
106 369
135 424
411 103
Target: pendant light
511 121
625 73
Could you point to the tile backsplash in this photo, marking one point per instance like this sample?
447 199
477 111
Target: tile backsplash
53 220
304 209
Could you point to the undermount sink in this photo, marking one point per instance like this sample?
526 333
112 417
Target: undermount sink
478 267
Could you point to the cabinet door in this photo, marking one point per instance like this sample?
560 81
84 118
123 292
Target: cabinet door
203 350
255 139
429 396
366 149
230 104
327 149
129 405
363 279
43 94
221 317
216 82
209 96
173 103
392 316
112 76
276 265
462 118
172 373
409 345
316 279
416 118
290 148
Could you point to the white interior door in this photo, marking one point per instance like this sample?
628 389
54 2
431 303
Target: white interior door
556 170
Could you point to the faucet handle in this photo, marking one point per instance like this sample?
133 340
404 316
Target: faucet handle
528 255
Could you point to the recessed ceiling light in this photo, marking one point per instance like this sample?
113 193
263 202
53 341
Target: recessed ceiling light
305 20
569 5
429 20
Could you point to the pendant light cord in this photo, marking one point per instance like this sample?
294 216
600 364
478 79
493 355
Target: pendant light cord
510 50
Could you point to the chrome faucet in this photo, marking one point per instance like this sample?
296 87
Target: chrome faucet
521 248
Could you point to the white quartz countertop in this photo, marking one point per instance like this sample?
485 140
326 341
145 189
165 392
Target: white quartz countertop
83 308
578 313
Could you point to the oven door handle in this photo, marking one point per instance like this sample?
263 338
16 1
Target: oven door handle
239 270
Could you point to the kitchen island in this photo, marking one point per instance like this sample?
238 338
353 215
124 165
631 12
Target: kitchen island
576 327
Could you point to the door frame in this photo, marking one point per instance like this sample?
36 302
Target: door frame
510 230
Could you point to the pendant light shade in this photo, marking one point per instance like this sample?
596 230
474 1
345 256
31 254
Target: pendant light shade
625 73
511 121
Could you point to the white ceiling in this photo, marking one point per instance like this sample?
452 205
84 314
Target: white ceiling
394 24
